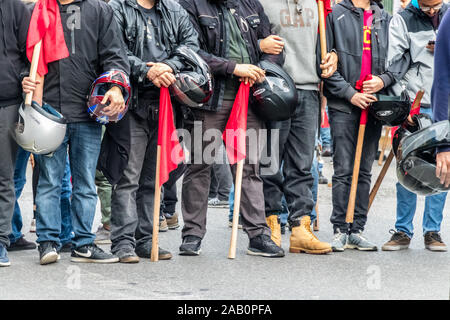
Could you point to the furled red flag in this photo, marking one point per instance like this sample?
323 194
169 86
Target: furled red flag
325 123
235 131
45 25
171 151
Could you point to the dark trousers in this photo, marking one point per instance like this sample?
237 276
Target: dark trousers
297 137
133 196
8 151
197 180
344 129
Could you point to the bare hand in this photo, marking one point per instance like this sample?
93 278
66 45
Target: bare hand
430 47
157 69
249 71
272 45
28 85
329 65
443 168
116 102
164 80
374 85
363 100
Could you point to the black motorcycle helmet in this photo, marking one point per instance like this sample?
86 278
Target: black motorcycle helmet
193 86
421 121
416 159
275 98
391 110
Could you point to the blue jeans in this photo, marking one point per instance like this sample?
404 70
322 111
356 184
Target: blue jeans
406 207
325 135
20 180
83 140
19 183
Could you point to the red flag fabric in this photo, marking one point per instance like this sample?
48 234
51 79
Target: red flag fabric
236 128
45 25
325 122
171 152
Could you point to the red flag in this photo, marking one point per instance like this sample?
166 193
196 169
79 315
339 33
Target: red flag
235 131
325 122
45 25
171 151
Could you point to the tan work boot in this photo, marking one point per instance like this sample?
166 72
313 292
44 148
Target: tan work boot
275 227
303 240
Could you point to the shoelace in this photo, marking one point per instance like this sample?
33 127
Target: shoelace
396 235
436 236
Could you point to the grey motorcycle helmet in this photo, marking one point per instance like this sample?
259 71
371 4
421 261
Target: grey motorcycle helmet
39 130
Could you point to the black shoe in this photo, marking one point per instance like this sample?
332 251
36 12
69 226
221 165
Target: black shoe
191 246
48 252
326 152
322 179
145 251
92 254
22 244
283 228
66 248
262 245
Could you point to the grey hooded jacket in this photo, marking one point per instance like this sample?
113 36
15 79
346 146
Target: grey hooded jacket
410 63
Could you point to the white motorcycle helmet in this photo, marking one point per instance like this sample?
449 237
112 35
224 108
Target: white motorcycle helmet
39 130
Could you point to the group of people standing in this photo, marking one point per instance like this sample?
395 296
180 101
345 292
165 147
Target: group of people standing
139 38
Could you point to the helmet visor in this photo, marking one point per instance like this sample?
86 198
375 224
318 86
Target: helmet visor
423 171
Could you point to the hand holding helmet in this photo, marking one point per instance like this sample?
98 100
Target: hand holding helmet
443 168
109 97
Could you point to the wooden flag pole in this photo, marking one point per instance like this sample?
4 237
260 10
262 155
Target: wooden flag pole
237 202
352 199
323 39
384 145
414 109
33 70
156 208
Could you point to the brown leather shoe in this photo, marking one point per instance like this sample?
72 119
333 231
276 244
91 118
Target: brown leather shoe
399 241
172 221
274 225
433 242
163 227
303 239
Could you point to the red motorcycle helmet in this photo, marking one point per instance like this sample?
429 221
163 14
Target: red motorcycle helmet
98 90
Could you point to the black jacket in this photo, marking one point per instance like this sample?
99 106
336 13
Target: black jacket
176 30
94 46
15 19
345 35
208 19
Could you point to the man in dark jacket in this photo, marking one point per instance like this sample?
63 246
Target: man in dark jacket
15 18
358 31
152 30
228 32
92 37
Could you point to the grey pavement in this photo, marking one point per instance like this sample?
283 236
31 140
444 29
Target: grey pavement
412 274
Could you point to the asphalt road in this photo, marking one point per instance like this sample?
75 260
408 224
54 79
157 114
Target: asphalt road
412 274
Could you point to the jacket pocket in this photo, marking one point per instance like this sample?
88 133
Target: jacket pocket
208 22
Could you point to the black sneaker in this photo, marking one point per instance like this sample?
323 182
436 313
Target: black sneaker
191 246
48 252
262 245
22 244
322 179
145 251
92 254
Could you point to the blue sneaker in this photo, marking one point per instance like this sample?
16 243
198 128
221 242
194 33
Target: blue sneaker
4 261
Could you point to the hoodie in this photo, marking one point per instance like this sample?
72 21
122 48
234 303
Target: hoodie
15 18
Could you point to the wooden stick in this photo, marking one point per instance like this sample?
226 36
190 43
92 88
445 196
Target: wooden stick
33 70
377 185
384 145
322 34
237 202
352 199
156 207
414 110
